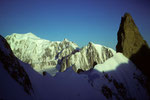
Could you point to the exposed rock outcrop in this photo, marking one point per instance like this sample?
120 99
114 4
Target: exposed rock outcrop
41 54
132 44
86 58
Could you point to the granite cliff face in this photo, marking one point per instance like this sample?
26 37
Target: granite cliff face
132 44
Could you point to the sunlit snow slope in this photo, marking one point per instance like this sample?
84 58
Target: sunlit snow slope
40 53
44 55
87 57
118 78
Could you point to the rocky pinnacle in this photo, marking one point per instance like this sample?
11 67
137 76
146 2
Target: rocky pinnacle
132 44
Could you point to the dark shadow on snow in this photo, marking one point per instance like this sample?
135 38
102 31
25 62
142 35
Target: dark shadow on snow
142 60
122 90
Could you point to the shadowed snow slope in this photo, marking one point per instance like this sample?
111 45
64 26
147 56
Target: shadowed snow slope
67 85
14 81
118 78
64 86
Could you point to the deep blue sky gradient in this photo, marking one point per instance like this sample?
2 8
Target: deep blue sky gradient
80 21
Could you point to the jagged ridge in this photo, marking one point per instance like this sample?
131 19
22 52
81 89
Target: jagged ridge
87 57
43 54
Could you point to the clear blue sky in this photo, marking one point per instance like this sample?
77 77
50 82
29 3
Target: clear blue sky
80 21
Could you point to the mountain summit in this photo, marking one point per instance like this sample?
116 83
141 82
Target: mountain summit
87 57
132 44
102 74
44 55
129 37
41 54
115 79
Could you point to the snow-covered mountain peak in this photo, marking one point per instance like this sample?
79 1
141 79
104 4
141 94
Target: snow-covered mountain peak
31 35
22 36
40 53
87 57
99 47
44 54
96 46
115 79
68 43
65 39
90 43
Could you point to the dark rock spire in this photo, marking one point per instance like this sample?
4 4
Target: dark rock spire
129 37
132 44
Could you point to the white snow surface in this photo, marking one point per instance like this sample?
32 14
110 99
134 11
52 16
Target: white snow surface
99 48
121 70
115 79
84 58
66 85
113 63
10 89
43 55
40 53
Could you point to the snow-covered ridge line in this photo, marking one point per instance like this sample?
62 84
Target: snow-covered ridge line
43 54
117 78
31 35
87 57
40 53
25 35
